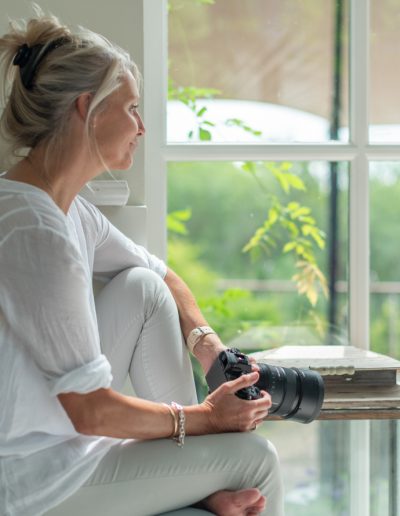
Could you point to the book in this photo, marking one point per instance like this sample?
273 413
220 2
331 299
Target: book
361 383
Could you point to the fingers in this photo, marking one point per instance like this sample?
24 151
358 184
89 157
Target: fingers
243 381
228 412
263 404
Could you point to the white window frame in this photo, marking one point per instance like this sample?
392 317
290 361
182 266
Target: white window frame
358 152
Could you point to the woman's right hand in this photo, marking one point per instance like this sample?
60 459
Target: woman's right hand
227 412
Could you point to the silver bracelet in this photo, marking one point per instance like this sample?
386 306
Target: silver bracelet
180 438
175 421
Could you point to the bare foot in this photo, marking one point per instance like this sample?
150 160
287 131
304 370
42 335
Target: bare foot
247 502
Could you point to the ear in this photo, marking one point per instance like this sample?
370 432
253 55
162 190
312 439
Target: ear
82 104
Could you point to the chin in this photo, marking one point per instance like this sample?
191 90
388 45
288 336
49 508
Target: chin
126 165
121 164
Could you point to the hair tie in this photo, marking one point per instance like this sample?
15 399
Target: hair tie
22 56
29 58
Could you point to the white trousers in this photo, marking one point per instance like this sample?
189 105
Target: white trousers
140 334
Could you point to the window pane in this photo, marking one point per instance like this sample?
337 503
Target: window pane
239 232
384 463
272 63
385 323
315 460
385 263
252 301
385 66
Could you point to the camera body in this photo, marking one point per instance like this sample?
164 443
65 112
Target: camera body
296 394
228 366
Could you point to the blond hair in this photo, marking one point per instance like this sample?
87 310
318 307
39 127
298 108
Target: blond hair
84 62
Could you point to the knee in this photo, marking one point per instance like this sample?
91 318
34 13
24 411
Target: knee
261 465
255 455
268 459
146 287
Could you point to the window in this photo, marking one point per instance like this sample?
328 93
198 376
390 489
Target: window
311 86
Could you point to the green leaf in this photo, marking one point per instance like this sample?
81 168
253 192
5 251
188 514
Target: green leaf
306 229
272 216
249 166
204 135
183 215
292 206
295 182
282 179
301 210
236 122
176 220
289 247
319 238
286 165
201 111
307 220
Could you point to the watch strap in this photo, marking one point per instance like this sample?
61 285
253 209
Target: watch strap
196 335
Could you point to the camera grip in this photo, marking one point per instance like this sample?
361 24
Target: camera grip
249 393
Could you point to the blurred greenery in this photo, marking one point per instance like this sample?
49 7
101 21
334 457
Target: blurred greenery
385 262
228 207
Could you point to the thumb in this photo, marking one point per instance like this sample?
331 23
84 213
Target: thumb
243 381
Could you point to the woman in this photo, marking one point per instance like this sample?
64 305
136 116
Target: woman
70 442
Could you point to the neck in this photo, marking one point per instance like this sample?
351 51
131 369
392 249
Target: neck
62 179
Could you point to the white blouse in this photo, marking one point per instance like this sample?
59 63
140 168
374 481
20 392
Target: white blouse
49 341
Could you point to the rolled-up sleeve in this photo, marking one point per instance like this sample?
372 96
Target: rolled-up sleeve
83 379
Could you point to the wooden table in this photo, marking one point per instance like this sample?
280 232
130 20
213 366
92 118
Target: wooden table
358 384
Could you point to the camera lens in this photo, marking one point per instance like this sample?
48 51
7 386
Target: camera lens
296 394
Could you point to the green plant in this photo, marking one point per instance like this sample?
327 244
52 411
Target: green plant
289 228
176 221
189 96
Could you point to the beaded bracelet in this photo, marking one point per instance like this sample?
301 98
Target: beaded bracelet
180 437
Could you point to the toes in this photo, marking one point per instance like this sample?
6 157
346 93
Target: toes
248 498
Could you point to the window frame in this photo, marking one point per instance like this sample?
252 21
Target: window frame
358 152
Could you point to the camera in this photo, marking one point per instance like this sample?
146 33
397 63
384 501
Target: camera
296 394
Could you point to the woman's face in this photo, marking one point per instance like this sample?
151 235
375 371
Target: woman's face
118 126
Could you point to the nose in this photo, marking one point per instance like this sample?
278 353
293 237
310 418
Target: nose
141 127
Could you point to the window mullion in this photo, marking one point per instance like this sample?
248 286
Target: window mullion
155 71
359 240
255 152
359 175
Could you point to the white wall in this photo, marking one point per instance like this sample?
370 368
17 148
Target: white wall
121 21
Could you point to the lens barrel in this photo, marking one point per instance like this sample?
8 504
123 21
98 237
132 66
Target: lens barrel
296 394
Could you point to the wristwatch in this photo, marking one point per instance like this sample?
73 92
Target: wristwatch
196 334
